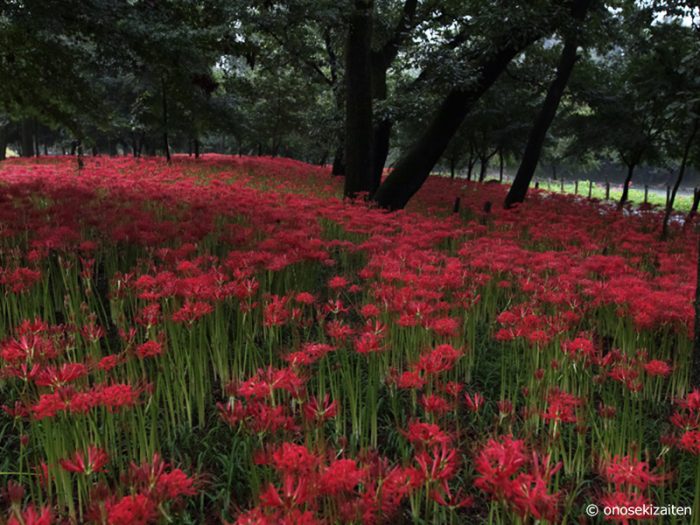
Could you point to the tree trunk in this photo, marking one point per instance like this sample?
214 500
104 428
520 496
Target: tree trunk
693 208
531 156
453 163
484 164
679 179
166 144
196 148
380 149
3 142
415 165
500 165
358 108
27 138
339 160
626 186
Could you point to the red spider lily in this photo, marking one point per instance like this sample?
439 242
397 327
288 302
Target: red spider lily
690 442
32 516
191 311
305 298
561 407
309 354
423 435
625 472
338 282
342 475
438 463
149 349
624 500
497 463
435 404
294 459
136 509
656 367
320 411
55 378
88 463
441 359
474 401
160 482
410 380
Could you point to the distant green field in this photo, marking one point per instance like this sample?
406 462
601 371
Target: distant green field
655 196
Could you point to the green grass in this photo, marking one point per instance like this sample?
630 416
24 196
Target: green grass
636 195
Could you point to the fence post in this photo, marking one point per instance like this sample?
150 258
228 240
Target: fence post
590 189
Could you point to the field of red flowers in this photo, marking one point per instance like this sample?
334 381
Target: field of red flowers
227 341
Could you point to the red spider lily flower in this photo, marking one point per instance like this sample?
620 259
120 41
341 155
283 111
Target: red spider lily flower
117 396
410 380
438 463
505 407
607 411
275 312
304 298
149 349
474 401
32 516
14 492
341 475
369 343
336 329
444 326
369 311
690 442
309 354
320 411
423 435
149 315
561 407
497 462
136 509
294 459
109 362
656 367
453 389
160 482
338 282
434 404
55 378
87 463
295 493
626 471
441 359
624 500
190 311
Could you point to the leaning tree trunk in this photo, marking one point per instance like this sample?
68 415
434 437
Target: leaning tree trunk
415 165
531 156
626 186
679 179
358 106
